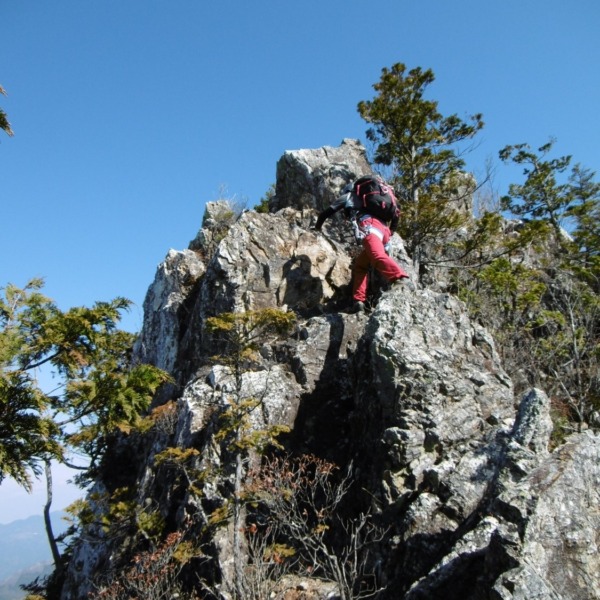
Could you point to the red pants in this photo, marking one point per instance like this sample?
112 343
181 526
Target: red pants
373 253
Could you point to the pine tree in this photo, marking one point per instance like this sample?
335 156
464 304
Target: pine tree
586 233
541 197
421 147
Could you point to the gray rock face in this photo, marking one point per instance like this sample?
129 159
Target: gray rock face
414 395
175 280
313 178
553 510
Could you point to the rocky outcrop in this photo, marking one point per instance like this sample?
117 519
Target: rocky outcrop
548 533
313 178
457 471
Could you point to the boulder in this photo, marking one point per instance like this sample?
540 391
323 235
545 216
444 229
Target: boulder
314 178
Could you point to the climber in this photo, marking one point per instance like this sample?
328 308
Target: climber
371 205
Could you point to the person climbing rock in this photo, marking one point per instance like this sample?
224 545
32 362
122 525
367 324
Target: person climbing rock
371 205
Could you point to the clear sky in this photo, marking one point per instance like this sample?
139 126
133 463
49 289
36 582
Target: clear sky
129 115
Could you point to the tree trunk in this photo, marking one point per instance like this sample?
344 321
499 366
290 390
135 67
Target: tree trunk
58 566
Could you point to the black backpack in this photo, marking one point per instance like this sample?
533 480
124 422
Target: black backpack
375 197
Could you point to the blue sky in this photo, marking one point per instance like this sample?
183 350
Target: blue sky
130 115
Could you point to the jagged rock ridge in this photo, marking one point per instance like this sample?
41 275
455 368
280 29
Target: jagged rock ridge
413 395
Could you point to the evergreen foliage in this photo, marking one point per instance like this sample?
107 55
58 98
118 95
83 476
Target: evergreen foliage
421 147
263 205
4 124
540 197
98 391
26 434
539 294
585 214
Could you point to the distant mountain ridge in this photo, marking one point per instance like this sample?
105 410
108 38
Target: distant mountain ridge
25 553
